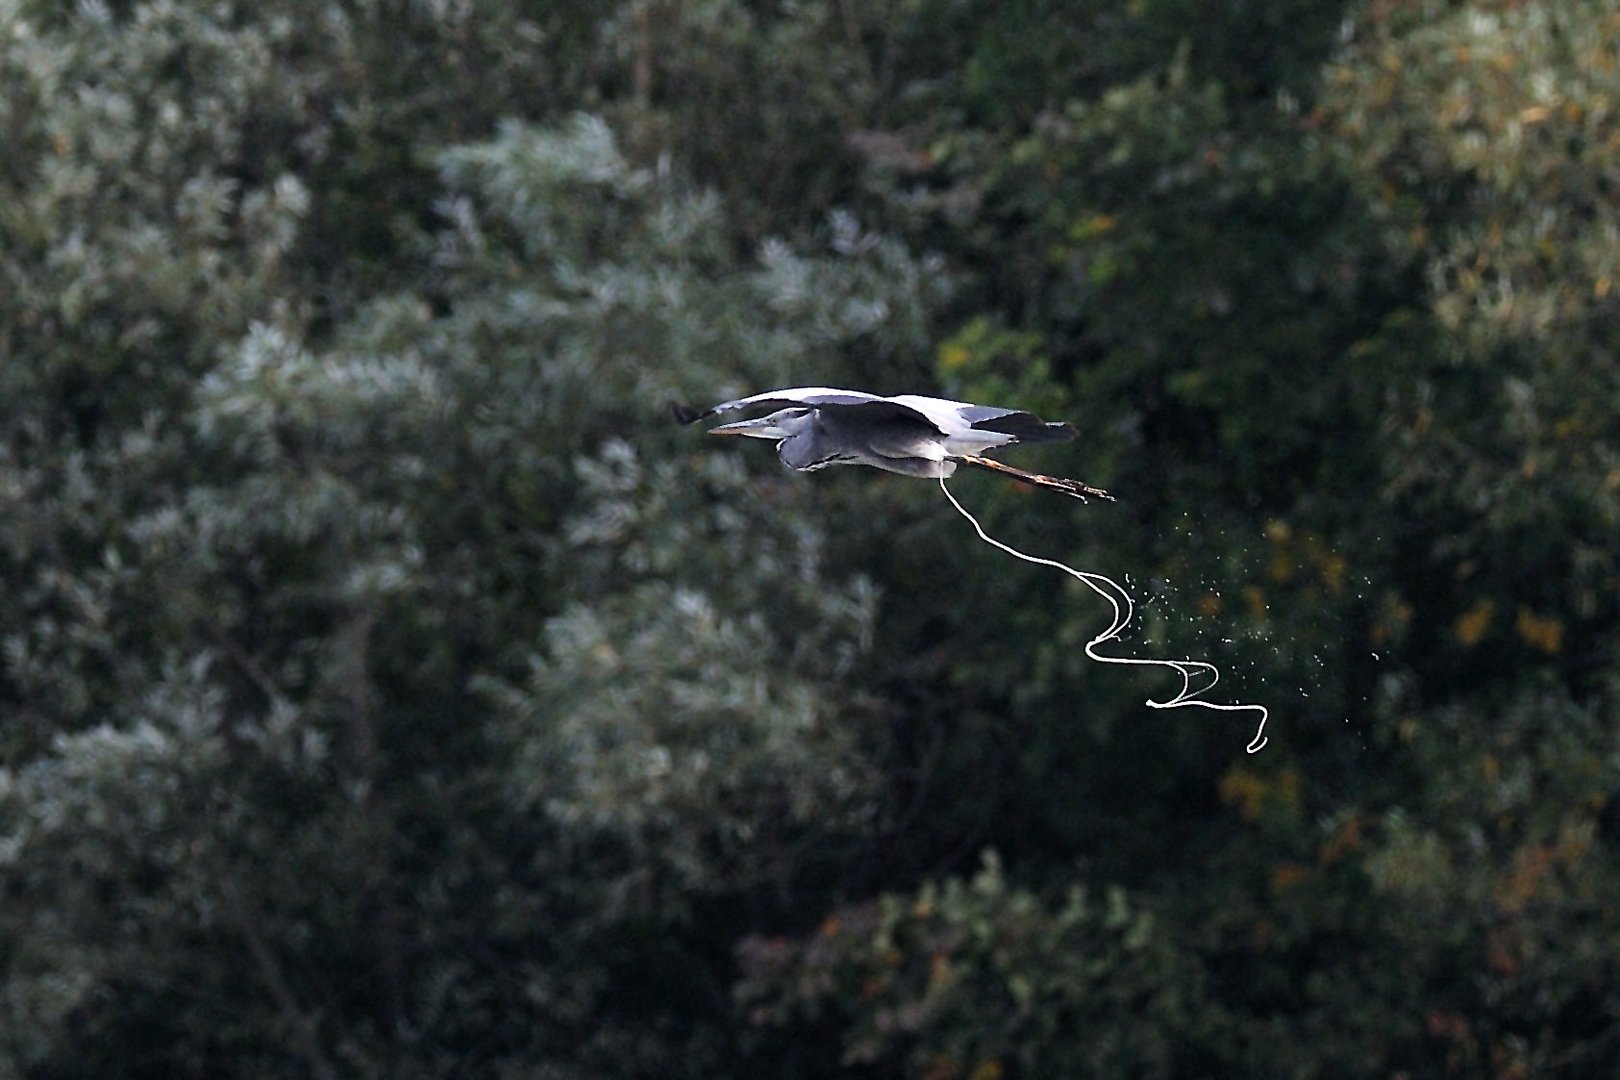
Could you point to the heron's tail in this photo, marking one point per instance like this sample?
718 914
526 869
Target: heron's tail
1072 488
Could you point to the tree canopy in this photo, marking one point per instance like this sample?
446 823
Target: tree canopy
389 688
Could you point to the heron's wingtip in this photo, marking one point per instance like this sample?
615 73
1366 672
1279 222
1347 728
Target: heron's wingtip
685 414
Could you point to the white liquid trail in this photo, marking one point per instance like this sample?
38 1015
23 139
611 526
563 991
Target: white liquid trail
1123 606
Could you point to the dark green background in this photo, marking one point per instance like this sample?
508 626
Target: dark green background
389 689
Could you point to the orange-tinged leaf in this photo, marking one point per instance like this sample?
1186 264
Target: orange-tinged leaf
1472 624
1347 839
1540 631
1530 866
1287 876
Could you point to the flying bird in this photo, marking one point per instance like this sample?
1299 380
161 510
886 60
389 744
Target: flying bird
817 426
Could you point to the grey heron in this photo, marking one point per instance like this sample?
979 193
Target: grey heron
818 426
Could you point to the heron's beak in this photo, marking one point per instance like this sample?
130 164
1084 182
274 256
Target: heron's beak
761 428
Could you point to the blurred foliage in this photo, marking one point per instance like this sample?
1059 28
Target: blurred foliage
977 978
389 688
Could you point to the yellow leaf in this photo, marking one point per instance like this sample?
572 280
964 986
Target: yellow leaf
1252 792
1245 790
1472 624
1541 631
1333 570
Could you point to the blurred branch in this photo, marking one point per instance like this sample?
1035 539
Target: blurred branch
304 1028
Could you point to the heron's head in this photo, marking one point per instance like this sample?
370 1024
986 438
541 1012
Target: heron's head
782 424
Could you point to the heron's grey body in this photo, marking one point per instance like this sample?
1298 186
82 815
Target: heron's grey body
818 426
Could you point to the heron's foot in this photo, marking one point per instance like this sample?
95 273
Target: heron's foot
1078 489
1072 488
1082 491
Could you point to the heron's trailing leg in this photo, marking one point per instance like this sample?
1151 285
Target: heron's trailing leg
1053 483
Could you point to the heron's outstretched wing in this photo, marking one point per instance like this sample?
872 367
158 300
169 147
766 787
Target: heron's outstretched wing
957 417
808 396
946 416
